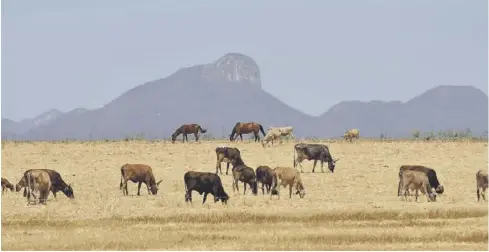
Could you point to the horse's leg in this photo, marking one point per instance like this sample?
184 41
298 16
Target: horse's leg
196 137
241 136
139 187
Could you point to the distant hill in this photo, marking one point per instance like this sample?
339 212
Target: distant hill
219 94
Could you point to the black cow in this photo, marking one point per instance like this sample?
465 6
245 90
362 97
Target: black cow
226 154
264 175
204 182
432 178
245 174
314 152
57 184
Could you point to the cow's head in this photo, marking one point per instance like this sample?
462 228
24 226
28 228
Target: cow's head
68 191
332 164
301 191
223 196
18 187
439 189
154 188
432 196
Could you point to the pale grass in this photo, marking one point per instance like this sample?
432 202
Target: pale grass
355 208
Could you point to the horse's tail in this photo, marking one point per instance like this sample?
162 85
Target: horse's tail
261 129
202 130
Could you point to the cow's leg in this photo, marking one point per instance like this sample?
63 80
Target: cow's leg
125 187
244 191
478 194
205 197
139 188
484 193
227 168
262 188
188 196
322 165
299 161
54 192
218 166
268 188
417 194
290 191
314 165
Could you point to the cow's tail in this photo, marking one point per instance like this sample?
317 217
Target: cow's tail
202 130
294 156
400 180
28 175
261 129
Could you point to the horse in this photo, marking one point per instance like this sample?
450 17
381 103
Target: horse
246 128
188 129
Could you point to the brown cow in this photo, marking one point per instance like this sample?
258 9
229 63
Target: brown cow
245 174
38 181
188 129
138 173
226 154
287 176
57 184
6 184
416 180
481 180
264 175
246 128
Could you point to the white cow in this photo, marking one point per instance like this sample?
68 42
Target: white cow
276 132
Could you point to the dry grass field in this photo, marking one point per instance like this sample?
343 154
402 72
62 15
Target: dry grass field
354 208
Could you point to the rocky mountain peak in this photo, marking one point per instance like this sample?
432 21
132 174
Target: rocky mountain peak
236 67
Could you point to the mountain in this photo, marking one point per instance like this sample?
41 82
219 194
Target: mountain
221 93
440 108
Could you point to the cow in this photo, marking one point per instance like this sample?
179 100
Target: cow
245 174
274 133
38 181
287 176
432 178
351 134
481 180
416 180
204 182
138 173
264 175
314 152
226 154
188 129
6 185
57 184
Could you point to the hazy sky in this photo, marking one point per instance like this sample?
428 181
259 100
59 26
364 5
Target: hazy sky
68 54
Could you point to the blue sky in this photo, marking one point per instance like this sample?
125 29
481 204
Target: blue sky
70 54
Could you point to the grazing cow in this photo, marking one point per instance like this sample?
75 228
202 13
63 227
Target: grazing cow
245 174
188 129
314 152
138 173
204 182
226 154
432 178
6 184
416 180
246 128
38 181
264 175
481 179
287 176
57 184
351 134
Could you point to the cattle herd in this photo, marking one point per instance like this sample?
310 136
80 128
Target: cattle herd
37 183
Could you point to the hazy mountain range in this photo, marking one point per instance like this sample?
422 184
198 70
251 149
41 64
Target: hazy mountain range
219 94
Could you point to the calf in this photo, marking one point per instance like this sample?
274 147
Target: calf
6 185
287 176
314 152
226 154
416 180
432 178
264 175
351 134
481 180
138 173
57 183
204 182
38 181
245 174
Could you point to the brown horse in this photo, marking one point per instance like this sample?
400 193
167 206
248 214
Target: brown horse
246 128
188 129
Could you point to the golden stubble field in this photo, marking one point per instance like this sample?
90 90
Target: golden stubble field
355 208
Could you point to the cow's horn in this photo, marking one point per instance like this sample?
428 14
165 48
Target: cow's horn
336 159
159 182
